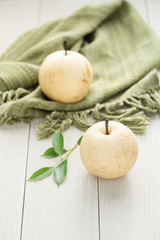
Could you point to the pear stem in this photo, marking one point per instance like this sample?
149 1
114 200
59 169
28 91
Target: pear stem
106 125
65 46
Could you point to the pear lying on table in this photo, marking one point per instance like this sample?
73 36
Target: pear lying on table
65 77
109 155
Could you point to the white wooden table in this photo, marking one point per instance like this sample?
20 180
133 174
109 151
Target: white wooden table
84 207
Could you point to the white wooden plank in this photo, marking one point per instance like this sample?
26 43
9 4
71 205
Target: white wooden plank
129 206
70 211
13 150
15 18
67 212
153 8
52 10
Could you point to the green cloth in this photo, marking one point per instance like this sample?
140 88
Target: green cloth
123 51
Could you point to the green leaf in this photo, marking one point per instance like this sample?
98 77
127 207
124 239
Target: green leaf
50 153
79 140
60 172
41 173
57 142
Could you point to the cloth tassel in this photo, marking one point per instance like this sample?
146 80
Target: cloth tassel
5 118
133 112
54 121
12 95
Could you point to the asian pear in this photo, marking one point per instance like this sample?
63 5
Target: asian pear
65 76
109 150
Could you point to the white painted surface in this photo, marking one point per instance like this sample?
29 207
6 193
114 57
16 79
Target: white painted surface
13 152
129 207
15 18
68 212
153 8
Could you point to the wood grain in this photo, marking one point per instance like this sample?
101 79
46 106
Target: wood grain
67 212
129 206
72 209
15 18
13 152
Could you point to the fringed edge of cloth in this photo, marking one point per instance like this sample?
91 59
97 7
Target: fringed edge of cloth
133 112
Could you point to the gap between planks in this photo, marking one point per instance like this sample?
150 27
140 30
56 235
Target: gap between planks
24 192
29 132
99 217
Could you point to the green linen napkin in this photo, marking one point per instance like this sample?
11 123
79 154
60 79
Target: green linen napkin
123 51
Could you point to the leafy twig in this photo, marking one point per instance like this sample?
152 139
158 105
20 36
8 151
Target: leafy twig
59 170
